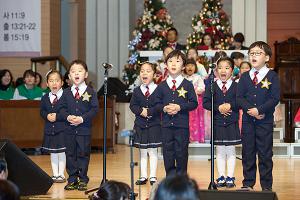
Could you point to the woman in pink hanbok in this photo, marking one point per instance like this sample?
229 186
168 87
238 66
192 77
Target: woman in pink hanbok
196 117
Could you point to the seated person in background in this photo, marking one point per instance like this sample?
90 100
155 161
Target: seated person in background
162 70
6 85
112 190
192 53
67 81
177 187
238 40
39 82
207 43
28 90
172 37
237 58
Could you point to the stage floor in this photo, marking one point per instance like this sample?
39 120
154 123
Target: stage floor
286 173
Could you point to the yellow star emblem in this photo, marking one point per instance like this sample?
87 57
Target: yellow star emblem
181 92
86 97
265 83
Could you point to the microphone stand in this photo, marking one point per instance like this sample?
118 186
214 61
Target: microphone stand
104 130
132 195
212 184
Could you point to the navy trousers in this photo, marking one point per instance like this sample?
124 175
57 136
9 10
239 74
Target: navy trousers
78 157
175 150
257 139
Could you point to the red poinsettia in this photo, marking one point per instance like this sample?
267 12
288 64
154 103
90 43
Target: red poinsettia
161 14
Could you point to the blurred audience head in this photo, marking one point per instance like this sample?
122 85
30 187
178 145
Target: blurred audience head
8 191
179 187
112 190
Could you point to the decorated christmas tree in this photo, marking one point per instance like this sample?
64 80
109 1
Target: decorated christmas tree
149 34
213 20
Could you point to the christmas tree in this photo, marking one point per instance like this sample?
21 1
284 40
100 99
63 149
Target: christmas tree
149 34
213 20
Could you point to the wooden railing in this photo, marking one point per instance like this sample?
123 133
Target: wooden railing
59 61
20 122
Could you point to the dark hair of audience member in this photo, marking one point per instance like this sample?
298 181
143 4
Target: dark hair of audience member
8 191
40 77
112 190
2 74
19 81
179 187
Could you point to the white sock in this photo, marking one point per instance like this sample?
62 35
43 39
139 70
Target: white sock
231 157
153 161
61 164
144 162
54 163
221 160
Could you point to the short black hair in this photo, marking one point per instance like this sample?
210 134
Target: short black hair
262 45
239 37
176 53
79 62
237 55
3 165
173 29
177 187
153 66
228 60
28 72
53 72
111 190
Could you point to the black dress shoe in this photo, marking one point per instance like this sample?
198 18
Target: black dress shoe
141 181
267 189
152 180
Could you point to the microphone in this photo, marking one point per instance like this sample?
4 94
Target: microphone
125 132
107 65
212 65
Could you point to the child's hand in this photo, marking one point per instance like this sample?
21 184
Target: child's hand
51 117
144 112
253 112
175 106
227 107
76 120
222 108
259 117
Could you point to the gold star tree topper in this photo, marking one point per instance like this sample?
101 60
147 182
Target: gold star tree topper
181 92
265 83
86 97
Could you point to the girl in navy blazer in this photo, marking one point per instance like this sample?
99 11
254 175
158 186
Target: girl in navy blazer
54 143
147 123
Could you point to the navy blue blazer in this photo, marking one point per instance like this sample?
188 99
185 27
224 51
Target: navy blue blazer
52 128
220 98
187 103
86 108
263 98
137 102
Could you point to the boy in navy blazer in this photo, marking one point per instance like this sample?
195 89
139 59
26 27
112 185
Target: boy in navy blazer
258 94
176 97
81 105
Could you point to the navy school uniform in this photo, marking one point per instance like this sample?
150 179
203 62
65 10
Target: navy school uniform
78 138
175 128
257 135
53 141
148 134
226 129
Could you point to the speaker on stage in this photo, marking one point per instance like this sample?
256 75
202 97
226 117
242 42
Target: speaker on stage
237 195
29 177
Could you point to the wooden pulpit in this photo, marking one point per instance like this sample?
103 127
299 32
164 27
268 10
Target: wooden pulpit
287 65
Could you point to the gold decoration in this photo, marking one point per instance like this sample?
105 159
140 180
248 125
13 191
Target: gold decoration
181 92
265 83
86 97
